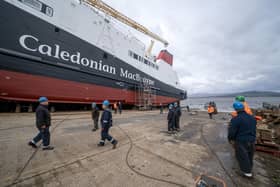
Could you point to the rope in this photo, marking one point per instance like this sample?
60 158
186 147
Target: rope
139 173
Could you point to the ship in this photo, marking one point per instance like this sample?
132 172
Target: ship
72 51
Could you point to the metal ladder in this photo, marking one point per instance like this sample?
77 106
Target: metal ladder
145 96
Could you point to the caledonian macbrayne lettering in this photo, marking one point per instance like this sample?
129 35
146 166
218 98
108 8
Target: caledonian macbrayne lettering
33 44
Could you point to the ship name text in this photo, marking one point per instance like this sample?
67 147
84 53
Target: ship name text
33 44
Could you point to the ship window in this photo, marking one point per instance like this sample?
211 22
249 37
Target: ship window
135 56
39 6
49 11
142 59
105 55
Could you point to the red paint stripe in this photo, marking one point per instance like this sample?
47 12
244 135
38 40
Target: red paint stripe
27 87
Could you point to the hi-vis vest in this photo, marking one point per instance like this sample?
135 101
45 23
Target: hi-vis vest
211 109
246 109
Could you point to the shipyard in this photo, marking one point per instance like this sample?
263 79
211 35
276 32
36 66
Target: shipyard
113 93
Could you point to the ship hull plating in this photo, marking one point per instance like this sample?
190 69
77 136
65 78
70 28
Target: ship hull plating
38 58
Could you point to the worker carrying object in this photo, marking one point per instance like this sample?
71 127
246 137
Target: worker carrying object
95 116
210 110
242 131
247 109
106 123
43 123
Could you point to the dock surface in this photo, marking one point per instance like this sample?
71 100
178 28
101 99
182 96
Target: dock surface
146 154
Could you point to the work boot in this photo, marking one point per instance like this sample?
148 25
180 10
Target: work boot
101 143
115 144
46 148
248 175
94 129
32 144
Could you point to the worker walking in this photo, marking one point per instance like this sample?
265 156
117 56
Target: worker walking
106 122
43 123
242 131
95 116
210 110
177 115
247 109
171 118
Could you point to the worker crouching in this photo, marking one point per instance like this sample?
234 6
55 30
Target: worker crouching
242 131
106 123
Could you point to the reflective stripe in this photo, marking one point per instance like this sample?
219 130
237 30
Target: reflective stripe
102 140
105 121
112 140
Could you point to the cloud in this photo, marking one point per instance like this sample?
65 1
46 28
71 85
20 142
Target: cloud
218 46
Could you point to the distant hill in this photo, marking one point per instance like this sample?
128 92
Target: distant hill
254 94
246 94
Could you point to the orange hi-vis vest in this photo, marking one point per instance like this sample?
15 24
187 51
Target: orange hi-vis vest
246 109
115 106
211 109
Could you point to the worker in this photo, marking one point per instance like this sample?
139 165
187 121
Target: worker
242 131
247 109
120 107
115 107
95 116
177 116
161 108
171 118
106 122
210 110
43 123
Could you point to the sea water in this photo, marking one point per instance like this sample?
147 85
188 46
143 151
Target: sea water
224 104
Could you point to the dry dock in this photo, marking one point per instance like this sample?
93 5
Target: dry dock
146 155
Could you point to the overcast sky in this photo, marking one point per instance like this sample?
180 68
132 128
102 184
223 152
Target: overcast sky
218 45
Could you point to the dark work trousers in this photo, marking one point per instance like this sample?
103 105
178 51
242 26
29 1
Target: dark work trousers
210 115
177 123
170 125
244 152
106 136
95 123
44 134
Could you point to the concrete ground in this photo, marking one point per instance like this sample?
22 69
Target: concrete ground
146 154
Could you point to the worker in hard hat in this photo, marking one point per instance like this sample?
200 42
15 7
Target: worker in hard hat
177 116
171 118
247 109
43 123
106 122
95 116
242 131
210 110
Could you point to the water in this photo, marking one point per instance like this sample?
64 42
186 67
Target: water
224 104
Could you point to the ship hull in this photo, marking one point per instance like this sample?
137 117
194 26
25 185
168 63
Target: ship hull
38 58
26 87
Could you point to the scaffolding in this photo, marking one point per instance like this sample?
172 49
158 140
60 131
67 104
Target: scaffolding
145 96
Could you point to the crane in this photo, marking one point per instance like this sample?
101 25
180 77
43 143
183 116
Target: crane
102 6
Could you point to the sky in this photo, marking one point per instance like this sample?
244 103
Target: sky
219 46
